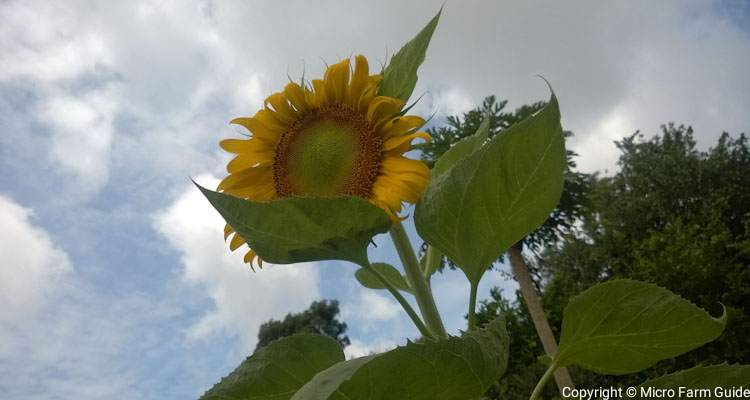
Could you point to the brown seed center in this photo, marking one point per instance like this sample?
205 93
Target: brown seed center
331 151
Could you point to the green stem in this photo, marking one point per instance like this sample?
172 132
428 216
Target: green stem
472 306
432 263
422 291
543 382
405 304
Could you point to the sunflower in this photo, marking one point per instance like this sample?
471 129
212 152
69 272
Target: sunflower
334 137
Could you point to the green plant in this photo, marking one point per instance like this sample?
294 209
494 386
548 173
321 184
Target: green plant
485 195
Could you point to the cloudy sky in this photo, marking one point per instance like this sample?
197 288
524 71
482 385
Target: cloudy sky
114 278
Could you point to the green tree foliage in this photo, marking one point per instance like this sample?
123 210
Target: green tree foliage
672 215
320 318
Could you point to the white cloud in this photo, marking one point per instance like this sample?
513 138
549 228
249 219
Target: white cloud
49 42
48 49
599 149
358 348
81 136
242 300
58 340
449 101
375 307
178 73
30 264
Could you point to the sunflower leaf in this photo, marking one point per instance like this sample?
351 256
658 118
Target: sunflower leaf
462 148
400 75
299 229
278 370
497 194
389 272
454 368
702 377
639 322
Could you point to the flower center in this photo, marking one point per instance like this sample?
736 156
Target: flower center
332 151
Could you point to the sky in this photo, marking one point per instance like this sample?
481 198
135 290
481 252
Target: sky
115 281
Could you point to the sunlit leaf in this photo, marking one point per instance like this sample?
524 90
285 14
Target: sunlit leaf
722 376
369 280
299 229
462 149
494 196
278 370
400 75
624 326
455 368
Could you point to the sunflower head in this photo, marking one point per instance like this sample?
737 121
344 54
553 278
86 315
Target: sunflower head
333 137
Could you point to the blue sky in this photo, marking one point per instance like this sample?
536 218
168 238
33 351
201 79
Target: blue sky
114 279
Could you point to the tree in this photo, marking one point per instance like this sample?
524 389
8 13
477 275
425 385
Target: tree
677 217
320 318
560 222
671 215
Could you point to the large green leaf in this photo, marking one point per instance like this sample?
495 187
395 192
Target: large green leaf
496 195
462 149
624 326
400 76
301 229
703 377
369 280
278 370
450 369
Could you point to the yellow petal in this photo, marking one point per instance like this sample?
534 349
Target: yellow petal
368 93
236 242
250 256
382 108
408 172
319 90
235 145
246 178
227 231
260 130
400 126
246 161
359 80
401 144
386 199
280 105
296 96
337 81
265 191
402 189
271 120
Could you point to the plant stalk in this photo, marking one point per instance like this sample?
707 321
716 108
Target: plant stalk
534 305
543 382
422 291
405 304
472 316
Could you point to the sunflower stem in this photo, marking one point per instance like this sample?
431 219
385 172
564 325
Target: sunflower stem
472 315
405 304
543 382
422 291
